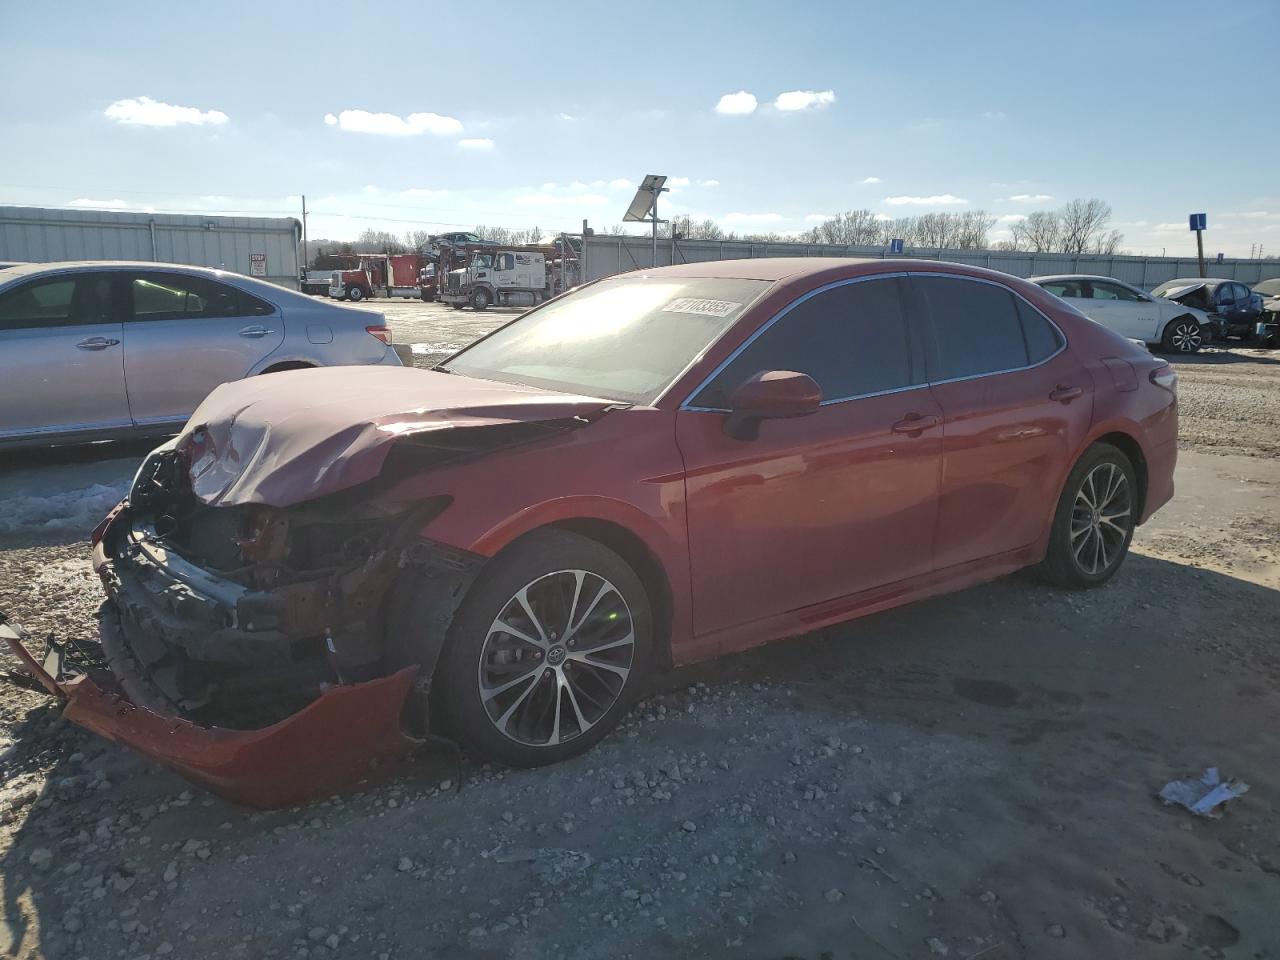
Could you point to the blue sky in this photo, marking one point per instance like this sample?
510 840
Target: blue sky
516 114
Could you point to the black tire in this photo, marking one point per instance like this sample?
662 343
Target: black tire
456 306
480 300
1183 335
355 294
543 566
1070 560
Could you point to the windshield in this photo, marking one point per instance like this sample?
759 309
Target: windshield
626 338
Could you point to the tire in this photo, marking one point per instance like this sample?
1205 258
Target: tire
1183 335
519 724
355 294
1102 477
480 300
456 306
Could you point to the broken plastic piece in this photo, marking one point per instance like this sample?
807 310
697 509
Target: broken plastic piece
1204 795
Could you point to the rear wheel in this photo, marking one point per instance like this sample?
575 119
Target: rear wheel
547 651
1094 522
1183 335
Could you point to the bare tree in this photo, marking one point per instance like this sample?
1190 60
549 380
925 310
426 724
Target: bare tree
379 241
1040 232
1083 221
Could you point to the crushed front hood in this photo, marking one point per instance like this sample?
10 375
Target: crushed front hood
288 437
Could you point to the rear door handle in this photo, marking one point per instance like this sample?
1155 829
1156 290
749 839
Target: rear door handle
1066 394
96 343
255 332
914 423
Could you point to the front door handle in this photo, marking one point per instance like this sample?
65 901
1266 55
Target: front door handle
96 343
913 423
255 332
1066 394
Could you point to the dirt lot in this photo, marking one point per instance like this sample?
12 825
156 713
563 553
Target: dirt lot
972 776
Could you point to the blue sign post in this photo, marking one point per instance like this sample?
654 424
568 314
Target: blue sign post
896 246
1198 223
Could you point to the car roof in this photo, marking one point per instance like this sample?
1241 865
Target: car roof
1077 276
815 269
28 269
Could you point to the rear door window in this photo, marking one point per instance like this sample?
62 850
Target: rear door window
1112 291
852 339
976 327
1070 289
171 296
69 300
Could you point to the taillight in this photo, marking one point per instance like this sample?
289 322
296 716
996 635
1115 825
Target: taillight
1163 376
382 332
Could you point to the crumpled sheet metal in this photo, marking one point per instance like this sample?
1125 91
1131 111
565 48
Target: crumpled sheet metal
1204 795
345 735
297 435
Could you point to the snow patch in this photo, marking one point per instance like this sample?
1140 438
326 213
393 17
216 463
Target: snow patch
72 511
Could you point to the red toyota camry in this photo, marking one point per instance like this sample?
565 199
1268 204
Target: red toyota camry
656 468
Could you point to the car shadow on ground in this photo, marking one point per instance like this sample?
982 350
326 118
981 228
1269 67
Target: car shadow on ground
1218 356
1081 705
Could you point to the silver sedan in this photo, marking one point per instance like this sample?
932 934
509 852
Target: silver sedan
110 349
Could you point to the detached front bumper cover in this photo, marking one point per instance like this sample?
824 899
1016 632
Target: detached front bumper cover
346 734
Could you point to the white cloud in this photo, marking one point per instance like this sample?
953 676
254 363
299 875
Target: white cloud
1031 197
678 182
752 217
1012 218
804 100
939 200
882 217
622 183
550 200
424 192
476 143
737 103
708 183
1254 215
145 112
88 204
993 115
818 218
869 180
390 124
566 116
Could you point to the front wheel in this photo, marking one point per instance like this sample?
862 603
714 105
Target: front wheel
480 300
355 294
1094 521
1183 335
547 651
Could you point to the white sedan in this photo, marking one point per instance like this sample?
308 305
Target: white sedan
1131 313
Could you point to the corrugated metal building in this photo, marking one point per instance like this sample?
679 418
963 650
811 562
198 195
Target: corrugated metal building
264 247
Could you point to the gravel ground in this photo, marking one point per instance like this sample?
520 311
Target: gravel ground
971 776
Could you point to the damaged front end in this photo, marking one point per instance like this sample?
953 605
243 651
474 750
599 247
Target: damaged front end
246 646
274 614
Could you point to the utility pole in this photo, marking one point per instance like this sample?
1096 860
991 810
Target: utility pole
306 261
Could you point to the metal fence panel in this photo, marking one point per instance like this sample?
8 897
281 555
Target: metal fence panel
43 235
606 256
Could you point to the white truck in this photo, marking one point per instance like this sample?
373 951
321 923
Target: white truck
497 276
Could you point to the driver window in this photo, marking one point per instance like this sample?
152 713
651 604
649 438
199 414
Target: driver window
852 339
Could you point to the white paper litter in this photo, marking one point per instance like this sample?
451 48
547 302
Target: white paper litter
1204 795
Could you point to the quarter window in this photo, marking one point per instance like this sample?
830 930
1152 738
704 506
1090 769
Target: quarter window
851 339
58 302
976 327
1043 338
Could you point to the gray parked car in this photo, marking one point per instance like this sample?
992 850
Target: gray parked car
110 349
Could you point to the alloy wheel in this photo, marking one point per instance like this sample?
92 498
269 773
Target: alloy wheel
556 658
1187 337
1101 518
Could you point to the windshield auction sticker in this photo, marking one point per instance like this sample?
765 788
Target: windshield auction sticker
705 308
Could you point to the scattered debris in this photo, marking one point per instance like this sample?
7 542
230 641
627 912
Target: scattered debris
1204 795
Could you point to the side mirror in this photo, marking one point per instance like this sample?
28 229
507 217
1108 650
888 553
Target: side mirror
770 395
